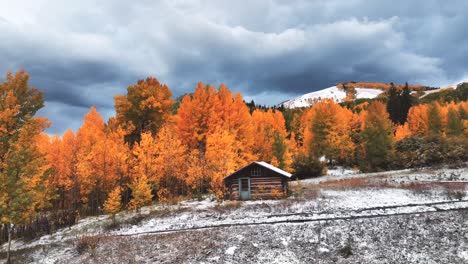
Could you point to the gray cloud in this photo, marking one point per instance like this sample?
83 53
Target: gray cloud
83 54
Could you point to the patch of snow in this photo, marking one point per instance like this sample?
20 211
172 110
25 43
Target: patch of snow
323 250
463 255
340 171
273 168
335 93
230 250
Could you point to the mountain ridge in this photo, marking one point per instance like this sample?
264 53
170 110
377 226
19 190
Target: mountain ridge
342 92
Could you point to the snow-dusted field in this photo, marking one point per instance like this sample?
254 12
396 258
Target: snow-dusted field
392 217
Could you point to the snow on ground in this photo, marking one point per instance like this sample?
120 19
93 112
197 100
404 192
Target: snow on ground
333 92
433 91
318 202
340 171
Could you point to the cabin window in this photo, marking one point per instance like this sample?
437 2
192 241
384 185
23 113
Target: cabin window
256 171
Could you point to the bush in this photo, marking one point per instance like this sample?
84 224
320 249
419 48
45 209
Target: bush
87 244
307 166
427 151
346 251
112 226
457 195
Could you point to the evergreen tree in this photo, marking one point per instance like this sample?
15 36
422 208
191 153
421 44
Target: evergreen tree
394 104
462 112
462 90
406 101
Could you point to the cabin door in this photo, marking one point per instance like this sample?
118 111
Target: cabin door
244 188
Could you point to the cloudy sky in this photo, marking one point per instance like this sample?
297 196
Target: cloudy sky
82 53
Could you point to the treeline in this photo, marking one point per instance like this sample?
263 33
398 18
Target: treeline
157 149
383 86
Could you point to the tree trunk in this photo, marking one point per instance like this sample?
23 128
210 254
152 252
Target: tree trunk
10 230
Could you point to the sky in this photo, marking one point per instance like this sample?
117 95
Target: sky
82 53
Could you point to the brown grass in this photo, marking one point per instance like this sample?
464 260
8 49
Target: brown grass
357 183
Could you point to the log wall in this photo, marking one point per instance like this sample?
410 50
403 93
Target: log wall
269 185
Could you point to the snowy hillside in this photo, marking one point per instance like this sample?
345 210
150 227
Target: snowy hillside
332 92
403 216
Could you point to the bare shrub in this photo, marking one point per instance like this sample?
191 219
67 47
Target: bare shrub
227 206
346 251
455 194
297 189
112 226
87 244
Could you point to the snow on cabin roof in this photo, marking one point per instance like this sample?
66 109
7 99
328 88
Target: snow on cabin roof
273 168
265 165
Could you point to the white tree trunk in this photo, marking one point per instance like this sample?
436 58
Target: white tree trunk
10 230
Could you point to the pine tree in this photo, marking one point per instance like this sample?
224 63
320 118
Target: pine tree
394 104
406 102
377 137
113 203
462 112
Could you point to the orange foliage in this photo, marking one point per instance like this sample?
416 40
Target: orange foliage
417 120
266 125
327 131
402 131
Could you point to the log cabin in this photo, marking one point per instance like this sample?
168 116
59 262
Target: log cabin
258 180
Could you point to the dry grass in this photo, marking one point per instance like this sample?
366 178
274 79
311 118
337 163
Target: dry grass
357 183
227 206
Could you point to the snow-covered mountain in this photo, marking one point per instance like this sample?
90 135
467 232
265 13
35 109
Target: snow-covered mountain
333 92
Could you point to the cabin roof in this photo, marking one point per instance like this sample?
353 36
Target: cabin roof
265 165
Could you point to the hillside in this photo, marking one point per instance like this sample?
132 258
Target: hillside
341 92
335 93
400 217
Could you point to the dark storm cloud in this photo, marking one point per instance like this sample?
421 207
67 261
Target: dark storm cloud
67 82
83 54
